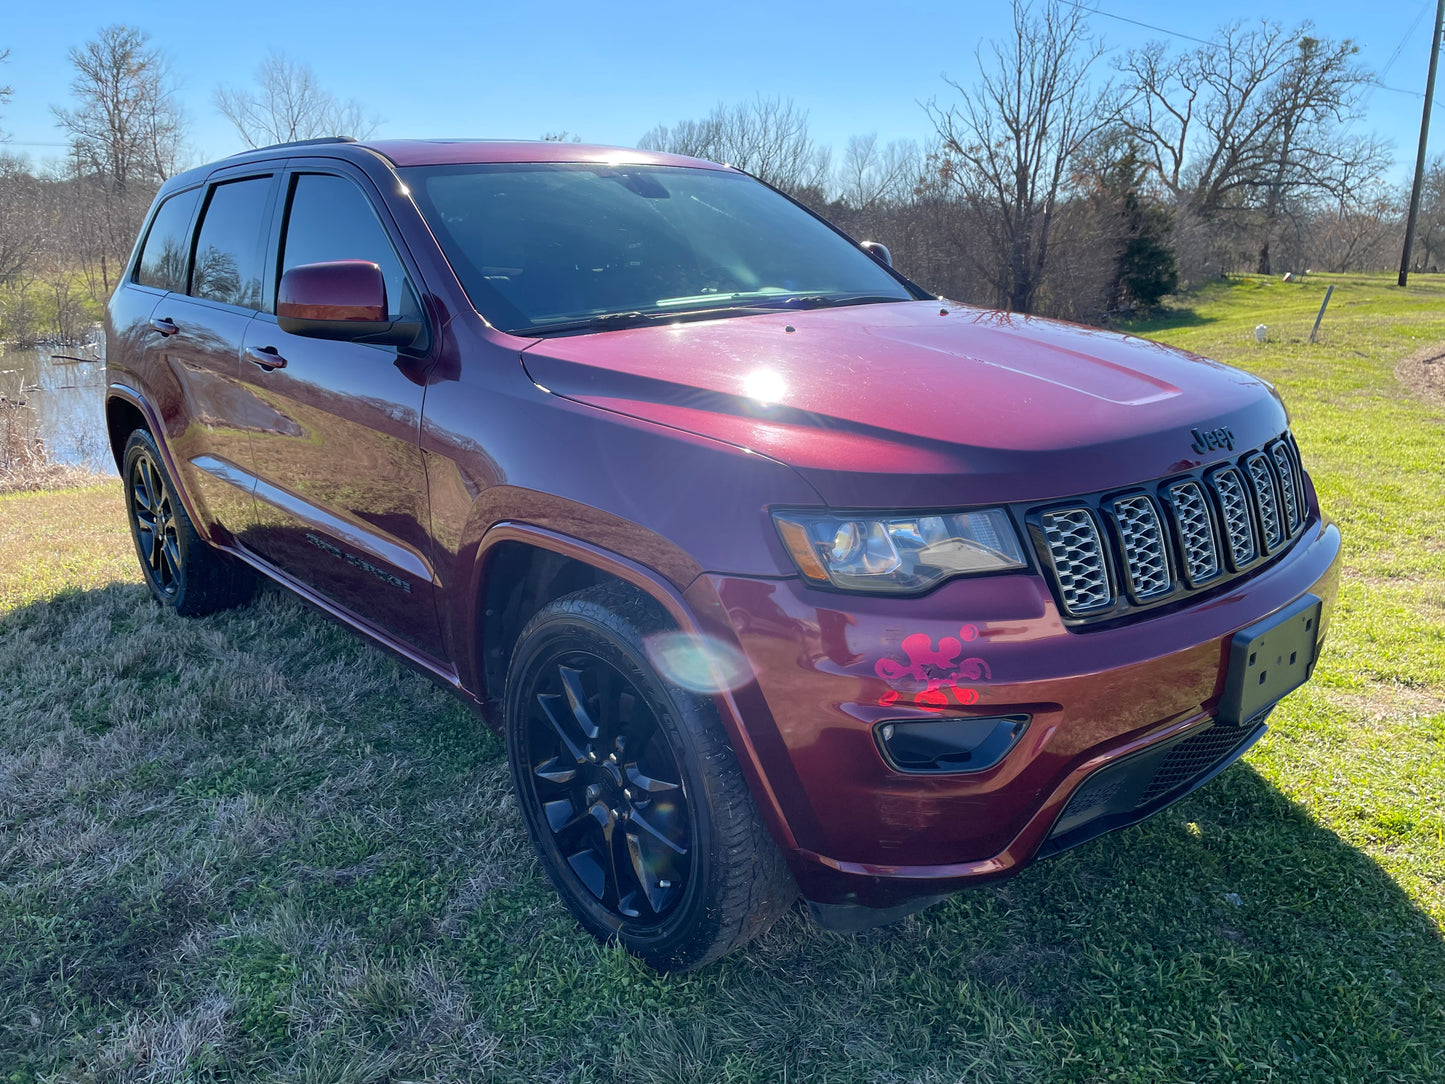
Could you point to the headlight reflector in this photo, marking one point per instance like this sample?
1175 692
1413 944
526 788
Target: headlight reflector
895 553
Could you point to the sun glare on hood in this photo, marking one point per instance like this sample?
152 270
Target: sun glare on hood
767 386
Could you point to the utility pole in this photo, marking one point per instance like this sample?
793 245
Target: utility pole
1420 155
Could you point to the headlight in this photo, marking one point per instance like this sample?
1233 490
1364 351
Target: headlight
898 553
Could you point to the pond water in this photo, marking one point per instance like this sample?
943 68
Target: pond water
62 389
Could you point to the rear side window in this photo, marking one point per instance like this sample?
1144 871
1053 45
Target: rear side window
331 219
229 244
167 245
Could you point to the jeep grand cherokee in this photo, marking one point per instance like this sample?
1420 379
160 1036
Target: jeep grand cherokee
779 574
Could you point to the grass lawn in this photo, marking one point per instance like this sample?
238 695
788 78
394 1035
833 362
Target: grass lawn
251 847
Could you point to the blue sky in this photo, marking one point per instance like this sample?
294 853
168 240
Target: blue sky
610 72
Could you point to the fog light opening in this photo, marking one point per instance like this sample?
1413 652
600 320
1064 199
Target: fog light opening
930 746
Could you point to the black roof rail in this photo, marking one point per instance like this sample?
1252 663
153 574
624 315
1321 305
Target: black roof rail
297 143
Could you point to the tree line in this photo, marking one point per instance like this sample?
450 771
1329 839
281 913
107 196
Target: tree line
67 227
1060 179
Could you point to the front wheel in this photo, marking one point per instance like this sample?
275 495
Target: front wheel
630 791
181 571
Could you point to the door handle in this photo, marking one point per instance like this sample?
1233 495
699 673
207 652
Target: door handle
164 326
266 357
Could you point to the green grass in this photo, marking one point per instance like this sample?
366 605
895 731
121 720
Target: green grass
250 847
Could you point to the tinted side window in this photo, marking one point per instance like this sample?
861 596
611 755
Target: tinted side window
229 243
331 219
167 245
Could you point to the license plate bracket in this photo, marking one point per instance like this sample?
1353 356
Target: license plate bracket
1270 659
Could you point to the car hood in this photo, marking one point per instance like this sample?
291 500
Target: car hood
919 404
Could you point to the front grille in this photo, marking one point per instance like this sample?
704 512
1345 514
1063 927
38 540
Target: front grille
1266 499
1234 503
1196 531
1077 555
1181 534
1193 757
1141 537
1289 485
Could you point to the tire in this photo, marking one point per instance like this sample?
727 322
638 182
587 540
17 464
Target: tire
181 570
630 790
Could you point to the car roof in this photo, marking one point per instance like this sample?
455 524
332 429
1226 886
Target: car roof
437 152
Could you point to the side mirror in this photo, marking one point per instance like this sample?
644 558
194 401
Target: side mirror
878 252
340 299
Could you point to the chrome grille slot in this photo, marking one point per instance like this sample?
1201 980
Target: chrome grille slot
1289 486
1196 531
1077 553
1266 500
1142 538
1234 503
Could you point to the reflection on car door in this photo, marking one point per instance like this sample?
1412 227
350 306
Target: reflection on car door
341 497
199 331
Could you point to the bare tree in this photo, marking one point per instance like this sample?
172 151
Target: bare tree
290 104
1011 138
5 92
1361 236
1251 121
767 137
21 220
872 174
126 126
1430 227
126 137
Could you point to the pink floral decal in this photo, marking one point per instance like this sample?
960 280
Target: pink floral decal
938 668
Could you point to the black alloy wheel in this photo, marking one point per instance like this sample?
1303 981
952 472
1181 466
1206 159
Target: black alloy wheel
630 790
154 521
181 570
609 787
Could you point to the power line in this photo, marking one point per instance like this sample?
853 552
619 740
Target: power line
1134 22
1395 90
1406 37
1201 41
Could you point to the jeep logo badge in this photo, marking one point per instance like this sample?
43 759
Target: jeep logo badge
1206 440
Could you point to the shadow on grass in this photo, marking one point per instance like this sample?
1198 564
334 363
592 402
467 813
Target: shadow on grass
251 844
1162 320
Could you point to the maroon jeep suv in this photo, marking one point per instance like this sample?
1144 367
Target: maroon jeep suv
779 574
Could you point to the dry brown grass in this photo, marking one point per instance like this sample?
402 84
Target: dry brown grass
35 477
207 827
1423 372
52 542
25 463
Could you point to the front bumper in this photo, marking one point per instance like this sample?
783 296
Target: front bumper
829 667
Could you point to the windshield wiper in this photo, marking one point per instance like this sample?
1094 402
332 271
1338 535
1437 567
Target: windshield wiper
606 322
615 321
823 301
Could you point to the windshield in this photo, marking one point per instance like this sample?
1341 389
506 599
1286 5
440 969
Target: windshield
566 247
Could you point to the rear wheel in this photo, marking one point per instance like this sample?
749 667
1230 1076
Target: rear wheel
630 790
181 571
